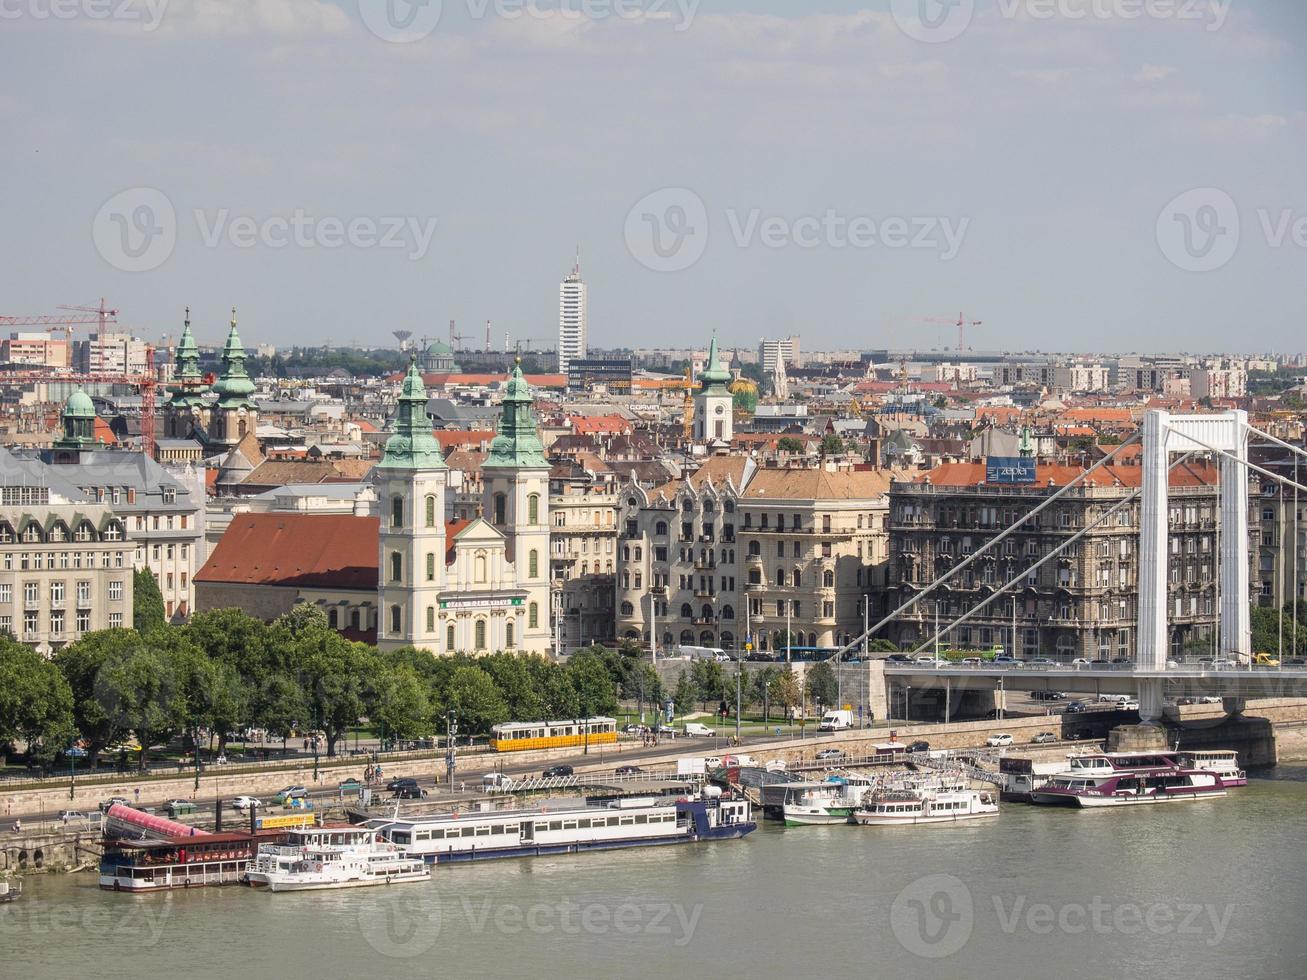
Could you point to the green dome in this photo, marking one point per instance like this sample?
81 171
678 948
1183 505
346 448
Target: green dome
439 347
79 406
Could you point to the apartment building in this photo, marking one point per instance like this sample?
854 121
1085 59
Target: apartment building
1082 603
65 561
583 553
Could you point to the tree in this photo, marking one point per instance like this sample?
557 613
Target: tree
36 703
683 695
831 444
97 710
709 680
784 690
760 689
789 444
398 702
513 676
593 683
147 602
822 684
475 700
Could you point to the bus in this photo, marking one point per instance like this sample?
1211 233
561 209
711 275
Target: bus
518 736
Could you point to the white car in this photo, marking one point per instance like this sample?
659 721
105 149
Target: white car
1130 705
998 739
1079 662
246 803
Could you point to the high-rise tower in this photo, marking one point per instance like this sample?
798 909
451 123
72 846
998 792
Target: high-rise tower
572 324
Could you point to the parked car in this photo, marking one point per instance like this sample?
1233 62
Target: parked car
899 658
105 804
246 803
555 772
1209 699
667 730
74 816
927 658
1131 705
998 739
1075 707
1121 660
826 755
288 793
401 783
1081 662
1296 662
636 729
628 770
971 661
1006 662
919 746
695 728
1043 738
410 792
1041 662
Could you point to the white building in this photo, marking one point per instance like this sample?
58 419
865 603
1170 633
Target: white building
572 324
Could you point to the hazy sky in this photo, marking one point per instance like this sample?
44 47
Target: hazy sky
339 170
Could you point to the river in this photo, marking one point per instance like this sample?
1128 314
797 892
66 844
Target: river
1209 889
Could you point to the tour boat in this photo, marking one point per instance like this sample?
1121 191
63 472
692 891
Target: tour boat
332 857
1223 762
151 865
566 827
817 805
896 808
1104 779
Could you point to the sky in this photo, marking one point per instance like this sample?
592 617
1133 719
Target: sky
1078 175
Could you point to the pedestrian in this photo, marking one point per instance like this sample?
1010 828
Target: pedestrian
137 794
462 786
18 826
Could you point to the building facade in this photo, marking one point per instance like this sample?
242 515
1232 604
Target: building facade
572 318
583 554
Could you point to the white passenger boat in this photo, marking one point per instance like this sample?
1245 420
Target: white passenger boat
1223 762
566 827
1105 779
332 857
817 805
896 808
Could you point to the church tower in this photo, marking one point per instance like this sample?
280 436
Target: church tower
77 421
713 404
234 413
410 482
186 411
515 478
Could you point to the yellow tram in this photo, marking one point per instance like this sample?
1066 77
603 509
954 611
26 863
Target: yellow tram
517 736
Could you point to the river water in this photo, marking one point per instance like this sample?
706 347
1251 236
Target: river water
1210 889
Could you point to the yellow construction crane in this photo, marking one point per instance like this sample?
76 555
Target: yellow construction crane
687 408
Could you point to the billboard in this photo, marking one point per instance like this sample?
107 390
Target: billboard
1010 469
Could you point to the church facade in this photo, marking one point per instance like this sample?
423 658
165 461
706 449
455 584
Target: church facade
464 586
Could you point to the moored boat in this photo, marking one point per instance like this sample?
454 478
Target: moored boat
1103 779
1223 762
332 857
815 806
898 808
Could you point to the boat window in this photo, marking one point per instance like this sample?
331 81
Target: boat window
641 818
569 825
483 831
467 831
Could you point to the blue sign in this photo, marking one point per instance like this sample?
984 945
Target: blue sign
1010 469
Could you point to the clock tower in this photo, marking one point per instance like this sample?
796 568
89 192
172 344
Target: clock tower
713 404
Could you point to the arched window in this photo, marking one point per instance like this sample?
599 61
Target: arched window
661 528
628 609
755 548
331 618
481 634
687 638
449 638
797 578
394 619
780 576
480 568
728 611
533 508
501 504
533 564
828 579
706 612
686 611
396 511
396 567
431 568
431 510
431 619
508 635
533 615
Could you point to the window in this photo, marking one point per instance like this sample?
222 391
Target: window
449 638
83 621
533 615
395 619
397 512
431 510
797 580
780 576
431 568
828 579
116 590
508 634
661 528
501 505
431 619
533 564
481 634
396 567
533 508
115 621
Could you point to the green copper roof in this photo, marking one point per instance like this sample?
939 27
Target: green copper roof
79 406
518 444
412 445
188 354
439 347
233 386
714 374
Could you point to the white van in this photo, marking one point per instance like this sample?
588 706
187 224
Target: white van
694 728
834 721
703 653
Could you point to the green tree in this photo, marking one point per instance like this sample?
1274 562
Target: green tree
36 703
784 690
593 682
475 700
709 680
684 693
515 677
97 707
789 444
147 602
760 685
398 701
831 444
822 685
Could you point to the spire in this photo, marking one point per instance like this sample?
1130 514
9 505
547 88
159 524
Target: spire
576 269
412 445
188 354
517 446
234 386
714 374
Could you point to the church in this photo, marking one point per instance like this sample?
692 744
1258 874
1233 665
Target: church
464 586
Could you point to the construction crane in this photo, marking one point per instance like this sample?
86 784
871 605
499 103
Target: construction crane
961 323
455 338
103 316
687 408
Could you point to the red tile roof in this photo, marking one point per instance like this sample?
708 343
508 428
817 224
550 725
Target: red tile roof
325 551
587 424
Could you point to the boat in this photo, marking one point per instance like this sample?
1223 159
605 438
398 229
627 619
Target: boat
1102 779
896 808
1018 775
817 805
1223 762
8 892
315 858
159 864
567 827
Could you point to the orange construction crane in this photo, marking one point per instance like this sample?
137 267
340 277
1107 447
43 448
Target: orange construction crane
687 408
961 323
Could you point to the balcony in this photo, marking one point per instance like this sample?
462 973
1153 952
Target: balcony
701 621
705 564
702 593
32 604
